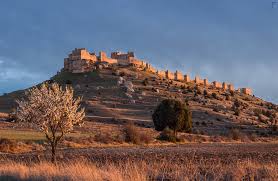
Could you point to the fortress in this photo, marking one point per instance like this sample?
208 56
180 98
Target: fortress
81 61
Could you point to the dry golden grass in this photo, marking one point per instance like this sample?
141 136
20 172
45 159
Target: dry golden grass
4 115
140 171
12 146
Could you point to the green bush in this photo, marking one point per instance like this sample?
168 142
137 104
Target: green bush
173 114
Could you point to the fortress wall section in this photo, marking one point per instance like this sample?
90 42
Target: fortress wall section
217 84
170 75
179 76
161 73
247 91
186 78
231 87
198 80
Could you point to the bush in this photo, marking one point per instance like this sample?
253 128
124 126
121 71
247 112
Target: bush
237 103
235 134
232 93
105 138
133 135
68 82
214 95
237 112
198 90
173 114
205 92
275 128
145 82
168 135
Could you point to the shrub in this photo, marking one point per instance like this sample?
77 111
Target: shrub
205 92
257 112
237 112
267 113
228 98
232 93
198 90
105 138
174 114
183 87
68 82
237 103
122 74
214 95
168 135
133 135
204 123
275 128
145 82
234 134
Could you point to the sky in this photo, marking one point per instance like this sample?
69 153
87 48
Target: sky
225 40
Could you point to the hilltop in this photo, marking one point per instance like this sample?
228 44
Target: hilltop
114 94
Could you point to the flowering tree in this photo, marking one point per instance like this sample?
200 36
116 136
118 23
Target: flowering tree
51 109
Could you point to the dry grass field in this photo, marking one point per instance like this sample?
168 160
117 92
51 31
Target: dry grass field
184 162
140 171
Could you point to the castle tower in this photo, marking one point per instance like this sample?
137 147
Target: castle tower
186 78
170 75
206 83
102 56
178 75
224 86
231 87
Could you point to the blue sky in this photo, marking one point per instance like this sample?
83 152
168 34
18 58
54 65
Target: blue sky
225 40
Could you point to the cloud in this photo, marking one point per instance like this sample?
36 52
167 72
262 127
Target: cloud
10 70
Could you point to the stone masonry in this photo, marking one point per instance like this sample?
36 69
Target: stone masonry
217 84
186 78
178 76
80 61
224 86
161 73
198 80
206 82
231 87
170 75
247 91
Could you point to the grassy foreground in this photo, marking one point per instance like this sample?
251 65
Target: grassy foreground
191 170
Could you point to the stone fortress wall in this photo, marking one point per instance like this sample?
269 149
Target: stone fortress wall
81 61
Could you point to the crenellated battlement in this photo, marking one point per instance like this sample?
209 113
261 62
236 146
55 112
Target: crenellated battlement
80 61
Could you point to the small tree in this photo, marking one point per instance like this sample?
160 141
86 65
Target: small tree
51 109
173 114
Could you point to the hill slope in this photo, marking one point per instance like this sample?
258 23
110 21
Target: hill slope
214 111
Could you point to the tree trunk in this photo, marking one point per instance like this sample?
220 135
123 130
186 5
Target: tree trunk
175 133
53 153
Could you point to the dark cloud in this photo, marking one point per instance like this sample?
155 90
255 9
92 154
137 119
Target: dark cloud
233 41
